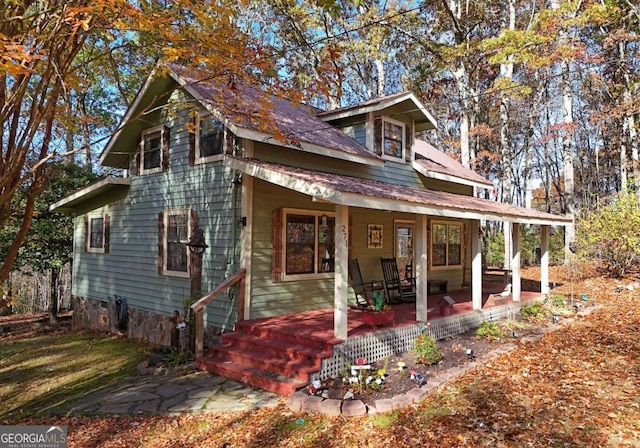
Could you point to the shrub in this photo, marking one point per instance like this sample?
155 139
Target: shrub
176 357
489 330
611 234
533 312
426 350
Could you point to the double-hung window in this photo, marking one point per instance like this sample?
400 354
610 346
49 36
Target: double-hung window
393 141
210 138
446 244
175 227
97 233
153 150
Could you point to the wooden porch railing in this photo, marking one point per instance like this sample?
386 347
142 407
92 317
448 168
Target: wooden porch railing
198 307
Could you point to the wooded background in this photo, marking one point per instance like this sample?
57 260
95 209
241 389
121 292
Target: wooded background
539 97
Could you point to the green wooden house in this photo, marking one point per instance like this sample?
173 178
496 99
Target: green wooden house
284 196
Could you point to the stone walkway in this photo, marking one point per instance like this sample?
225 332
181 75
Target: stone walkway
194 392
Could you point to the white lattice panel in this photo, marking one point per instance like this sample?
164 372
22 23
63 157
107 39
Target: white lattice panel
379 345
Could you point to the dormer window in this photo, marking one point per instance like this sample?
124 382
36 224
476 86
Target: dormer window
209 138
393 144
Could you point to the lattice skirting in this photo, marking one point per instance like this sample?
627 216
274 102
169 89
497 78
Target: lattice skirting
393 341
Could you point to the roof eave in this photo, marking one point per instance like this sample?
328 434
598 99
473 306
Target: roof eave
449 178
70 203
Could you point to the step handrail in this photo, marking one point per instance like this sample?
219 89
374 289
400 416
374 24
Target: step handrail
198 307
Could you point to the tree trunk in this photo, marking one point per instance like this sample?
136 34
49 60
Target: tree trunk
53 299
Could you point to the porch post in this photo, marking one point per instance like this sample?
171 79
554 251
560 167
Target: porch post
421 268
476 266
341 255
544 259
515 262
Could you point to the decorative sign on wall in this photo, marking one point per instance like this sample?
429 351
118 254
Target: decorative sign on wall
374 236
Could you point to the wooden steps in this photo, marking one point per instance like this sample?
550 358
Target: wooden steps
264 357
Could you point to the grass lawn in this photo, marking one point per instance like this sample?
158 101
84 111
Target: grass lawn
48 370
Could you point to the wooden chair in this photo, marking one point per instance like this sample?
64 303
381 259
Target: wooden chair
397 290
362 290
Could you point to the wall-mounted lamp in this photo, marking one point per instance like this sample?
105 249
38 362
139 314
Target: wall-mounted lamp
323 223
196 243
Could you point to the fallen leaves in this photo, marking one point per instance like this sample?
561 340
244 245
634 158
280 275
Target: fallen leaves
576 387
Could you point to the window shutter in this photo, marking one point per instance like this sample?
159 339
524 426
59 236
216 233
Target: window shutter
377 127
106 233
165 148
192 140
137 159
277 247
407 142
229 143
86 233
160 242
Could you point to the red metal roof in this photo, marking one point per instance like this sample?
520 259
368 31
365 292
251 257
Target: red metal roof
325 185
250 108
436 161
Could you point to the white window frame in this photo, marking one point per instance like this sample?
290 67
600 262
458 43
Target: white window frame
403 125
446 265
90 218
153 130
216 157
318 215
165 242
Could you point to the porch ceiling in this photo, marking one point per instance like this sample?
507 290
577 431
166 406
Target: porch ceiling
372 194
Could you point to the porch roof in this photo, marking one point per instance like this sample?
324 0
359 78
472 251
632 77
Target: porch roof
373 194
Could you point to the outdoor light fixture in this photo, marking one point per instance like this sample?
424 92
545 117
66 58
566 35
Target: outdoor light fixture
470 354
196 243
323 222
556 319
576 307
515 335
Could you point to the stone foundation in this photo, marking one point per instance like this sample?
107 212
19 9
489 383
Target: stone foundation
145 326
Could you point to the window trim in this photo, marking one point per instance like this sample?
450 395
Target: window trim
315 275
216 157
402 157
165 242
153 130
446 265
90 218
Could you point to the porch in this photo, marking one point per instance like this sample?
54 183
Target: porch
287 352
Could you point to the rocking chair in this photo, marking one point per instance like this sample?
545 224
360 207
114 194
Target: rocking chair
397 290
362 290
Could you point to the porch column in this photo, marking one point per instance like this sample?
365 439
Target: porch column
544 259
476 266
515 262
420 243
341 275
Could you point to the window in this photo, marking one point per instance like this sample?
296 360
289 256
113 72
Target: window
404 247
154 150
96 233
303 243
175 229
393 139
446 244
209 138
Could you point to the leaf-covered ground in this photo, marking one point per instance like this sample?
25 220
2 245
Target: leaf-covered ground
577 387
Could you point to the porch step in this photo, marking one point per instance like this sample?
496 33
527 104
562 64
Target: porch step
271 346
256 328
270 362
245 374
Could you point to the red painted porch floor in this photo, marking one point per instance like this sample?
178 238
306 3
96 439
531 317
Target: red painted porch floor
318 324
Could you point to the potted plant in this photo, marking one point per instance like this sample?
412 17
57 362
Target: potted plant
378 313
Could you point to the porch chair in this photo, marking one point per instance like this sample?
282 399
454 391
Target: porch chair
397 290
362 290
